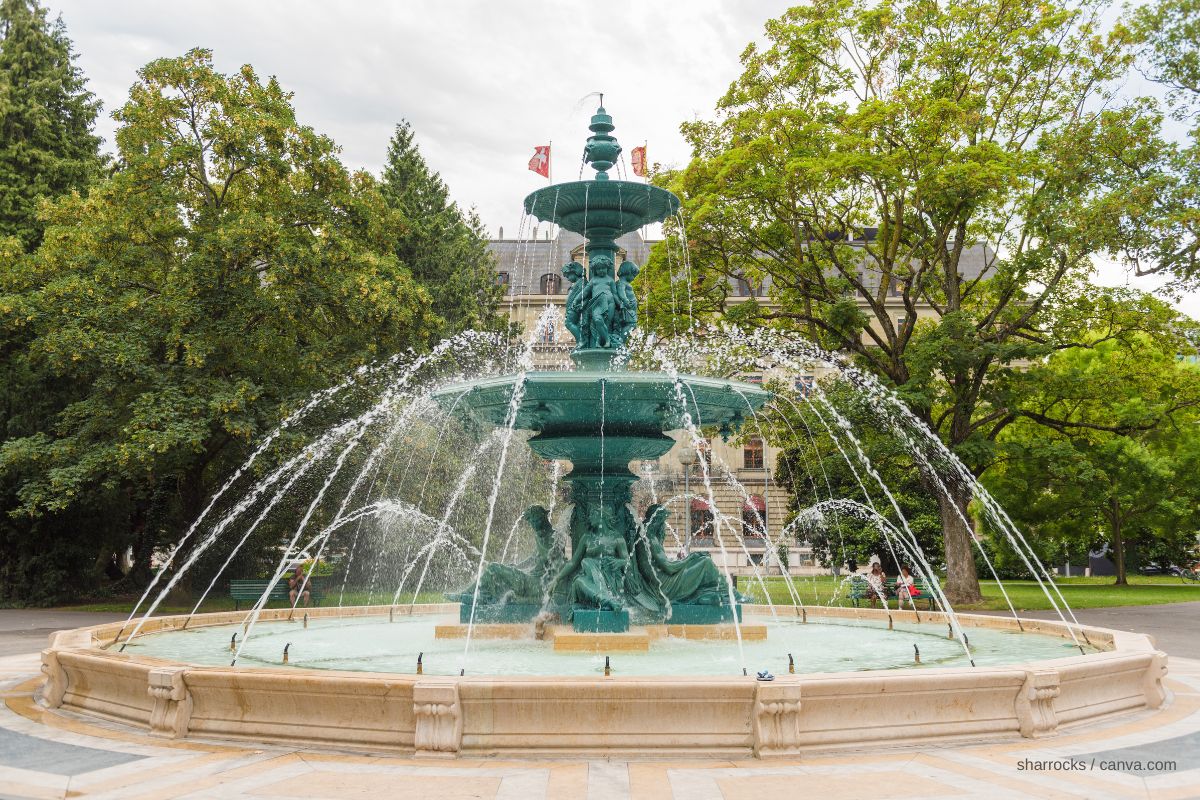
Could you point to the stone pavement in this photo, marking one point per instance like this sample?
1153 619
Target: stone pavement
26 630
46 754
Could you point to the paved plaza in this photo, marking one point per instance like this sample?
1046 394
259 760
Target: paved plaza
46 754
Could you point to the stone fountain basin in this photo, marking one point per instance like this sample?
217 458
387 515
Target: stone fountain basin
620 715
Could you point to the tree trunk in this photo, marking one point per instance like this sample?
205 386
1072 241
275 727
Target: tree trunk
1118 545
962 584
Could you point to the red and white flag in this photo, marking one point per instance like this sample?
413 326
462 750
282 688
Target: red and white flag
637 157
540 163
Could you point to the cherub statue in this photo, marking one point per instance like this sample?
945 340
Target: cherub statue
600 303
573 272
627 273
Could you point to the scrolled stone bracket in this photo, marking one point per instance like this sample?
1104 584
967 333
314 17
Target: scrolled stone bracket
1035 703
776 718
172 709
439 718
55 687
1152 684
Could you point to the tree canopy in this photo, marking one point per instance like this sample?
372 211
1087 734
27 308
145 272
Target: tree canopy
47 147
924 186
228 267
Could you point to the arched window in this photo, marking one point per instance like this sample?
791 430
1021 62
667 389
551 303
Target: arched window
752 453
551 283
502 279
754 517
549 334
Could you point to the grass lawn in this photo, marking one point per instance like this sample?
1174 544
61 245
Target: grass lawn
224 603
1025 595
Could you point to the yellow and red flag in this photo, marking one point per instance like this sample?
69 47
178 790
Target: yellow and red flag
637 158
540 163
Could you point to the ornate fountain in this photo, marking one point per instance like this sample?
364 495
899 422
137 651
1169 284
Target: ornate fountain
600 418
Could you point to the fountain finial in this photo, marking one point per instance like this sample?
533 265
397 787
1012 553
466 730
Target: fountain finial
602 149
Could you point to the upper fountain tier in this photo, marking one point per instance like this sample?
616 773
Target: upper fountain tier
601 209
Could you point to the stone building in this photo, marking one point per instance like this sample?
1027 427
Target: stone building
530 269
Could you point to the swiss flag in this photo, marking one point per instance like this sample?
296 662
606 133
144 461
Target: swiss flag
637 157
540 163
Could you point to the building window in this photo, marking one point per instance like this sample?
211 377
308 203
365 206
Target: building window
551 283
900 320
752 453
701 522
744 289
502 279
549 334
754 517
756 379
897 287
805 384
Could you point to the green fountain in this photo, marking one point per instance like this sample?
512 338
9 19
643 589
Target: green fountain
600 418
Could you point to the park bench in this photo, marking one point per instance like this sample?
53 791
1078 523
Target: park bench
251 590
860 590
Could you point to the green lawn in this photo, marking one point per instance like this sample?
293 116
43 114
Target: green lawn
223 603
1025 595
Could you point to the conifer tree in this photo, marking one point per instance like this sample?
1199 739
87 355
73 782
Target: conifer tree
47 147
445 248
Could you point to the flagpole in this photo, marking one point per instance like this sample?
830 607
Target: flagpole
550 169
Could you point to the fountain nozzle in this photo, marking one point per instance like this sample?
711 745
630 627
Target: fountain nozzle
916 655
285 652
306 620
233 642
607 667
791 665
420 663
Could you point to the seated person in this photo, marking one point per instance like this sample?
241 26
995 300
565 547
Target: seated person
296 583
876 580
906 588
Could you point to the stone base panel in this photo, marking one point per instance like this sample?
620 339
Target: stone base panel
619 715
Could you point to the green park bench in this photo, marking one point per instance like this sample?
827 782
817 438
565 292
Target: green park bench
860 591
251 590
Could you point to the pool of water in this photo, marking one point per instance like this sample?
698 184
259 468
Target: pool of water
375 645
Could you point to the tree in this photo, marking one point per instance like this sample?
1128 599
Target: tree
46 118
868 151
445 249
1118 464
228 267
1163 223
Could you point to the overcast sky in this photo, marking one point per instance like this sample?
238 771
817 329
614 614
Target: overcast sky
481 82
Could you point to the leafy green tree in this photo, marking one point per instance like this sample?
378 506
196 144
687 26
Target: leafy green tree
227 268
46 118
949 131
1163 223
1118 462
445 249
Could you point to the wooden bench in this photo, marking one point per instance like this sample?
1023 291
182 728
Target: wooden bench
251 590
860 590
